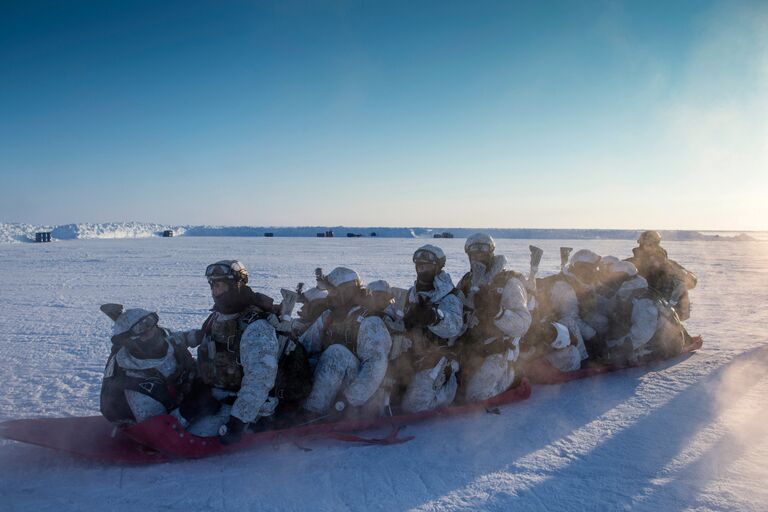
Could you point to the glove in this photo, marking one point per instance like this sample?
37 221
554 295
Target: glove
232 431
420 315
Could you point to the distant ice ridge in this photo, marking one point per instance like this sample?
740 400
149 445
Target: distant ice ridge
19 232
111 230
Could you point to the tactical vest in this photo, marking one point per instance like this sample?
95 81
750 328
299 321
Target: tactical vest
220 366
488 298
169 391
584 296
218 357
343 328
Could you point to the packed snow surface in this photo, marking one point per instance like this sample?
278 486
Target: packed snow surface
688 434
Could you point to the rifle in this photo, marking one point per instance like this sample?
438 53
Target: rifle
565 252
322 281
536 255
400 297
290 297
113 311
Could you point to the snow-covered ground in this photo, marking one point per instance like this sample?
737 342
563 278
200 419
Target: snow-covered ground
691 435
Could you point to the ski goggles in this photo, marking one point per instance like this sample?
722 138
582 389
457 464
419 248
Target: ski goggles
216 271
422 256
139 328
144 325
479 248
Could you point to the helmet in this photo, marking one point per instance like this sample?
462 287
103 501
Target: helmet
624 267
379 286
607 261
430 254
479 242
649 238
134 322
341 275
584 265
585 256
230 270
314 294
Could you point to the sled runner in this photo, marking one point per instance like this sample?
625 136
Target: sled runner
541 372
162 438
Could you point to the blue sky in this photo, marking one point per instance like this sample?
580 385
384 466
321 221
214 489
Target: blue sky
486 114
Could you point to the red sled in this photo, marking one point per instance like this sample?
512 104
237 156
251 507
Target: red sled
91 437
162 438
541 372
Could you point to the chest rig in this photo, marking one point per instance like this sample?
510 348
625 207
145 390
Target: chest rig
219 355
488 298
343 327
168 390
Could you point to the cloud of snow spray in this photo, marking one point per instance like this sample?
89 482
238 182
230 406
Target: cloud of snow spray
741 402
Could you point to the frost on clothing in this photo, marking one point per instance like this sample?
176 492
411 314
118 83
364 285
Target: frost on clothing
356 375
135 389
428 366
492 350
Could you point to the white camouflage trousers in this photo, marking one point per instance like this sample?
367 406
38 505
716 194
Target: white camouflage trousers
430 389
494 376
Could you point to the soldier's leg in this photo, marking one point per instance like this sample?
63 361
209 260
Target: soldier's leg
565 359
494 376
431 388
336 367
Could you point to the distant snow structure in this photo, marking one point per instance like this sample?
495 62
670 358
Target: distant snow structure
108 230
43 236
25 233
